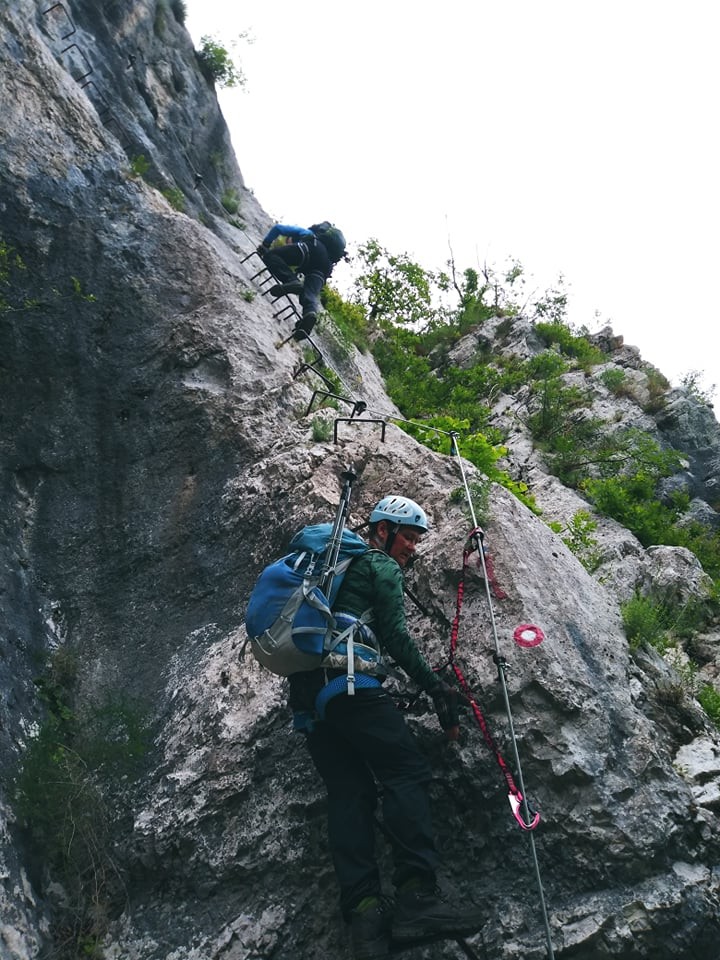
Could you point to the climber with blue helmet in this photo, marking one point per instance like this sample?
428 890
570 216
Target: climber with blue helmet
359 741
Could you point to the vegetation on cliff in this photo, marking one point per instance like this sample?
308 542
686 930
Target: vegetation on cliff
411 319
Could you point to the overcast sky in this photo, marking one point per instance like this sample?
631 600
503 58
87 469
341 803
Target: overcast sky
578 137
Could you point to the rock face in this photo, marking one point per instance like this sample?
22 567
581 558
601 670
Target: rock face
157 449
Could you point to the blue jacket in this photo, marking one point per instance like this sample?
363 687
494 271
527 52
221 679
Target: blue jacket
286 230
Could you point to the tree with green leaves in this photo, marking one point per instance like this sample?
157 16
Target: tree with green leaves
394 288
218 64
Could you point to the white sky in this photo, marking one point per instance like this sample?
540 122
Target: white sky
578 137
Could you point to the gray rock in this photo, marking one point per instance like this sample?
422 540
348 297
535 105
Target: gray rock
157 450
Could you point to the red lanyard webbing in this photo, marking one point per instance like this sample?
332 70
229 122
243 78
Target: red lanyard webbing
515 797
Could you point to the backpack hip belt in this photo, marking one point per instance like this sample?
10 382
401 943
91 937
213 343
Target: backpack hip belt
338 686
355 647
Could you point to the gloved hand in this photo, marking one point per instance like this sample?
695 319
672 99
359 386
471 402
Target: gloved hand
262 250
445 700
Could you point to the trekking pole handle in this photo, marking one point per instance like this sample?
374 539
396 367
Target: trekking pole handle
349 475
333 548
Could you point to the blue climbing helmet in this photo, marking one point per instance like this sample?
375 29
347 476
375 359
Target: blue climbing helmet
402 511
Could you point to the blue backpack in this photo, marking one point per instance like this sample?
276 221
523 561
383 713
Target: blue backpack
289 619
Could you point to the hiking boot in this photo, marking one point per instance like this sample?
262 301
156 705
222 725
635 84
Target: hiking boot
304 327
292 286
425 913
370 924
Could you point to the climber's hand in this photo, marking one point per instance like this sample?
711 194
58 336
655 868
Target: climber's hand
445 700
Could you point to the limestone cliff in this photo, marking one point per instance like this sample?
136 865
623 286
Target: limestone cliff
155 451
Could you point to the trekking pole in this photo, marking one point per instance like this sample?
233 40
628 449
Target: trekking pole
501 664
332 552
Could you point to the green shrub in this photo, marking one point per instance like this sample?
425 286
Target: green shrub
696 615
139 166
704 543
559 334
691 383
231 200
58 797
479 490
179 10
349 318
657 386
475 447
631 501
709 699
322 430
576 535
175 197
646 617
645 621
555 419
630 469
615 380
217 65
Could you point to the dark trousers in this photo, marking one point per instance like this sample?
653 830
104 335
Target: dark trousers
311 260
364 738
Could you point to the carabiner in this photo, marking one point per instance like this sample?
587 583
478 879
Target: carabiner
516 800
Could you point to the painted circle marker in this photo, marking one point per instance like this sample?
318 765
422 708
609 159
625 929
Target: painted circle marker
528 635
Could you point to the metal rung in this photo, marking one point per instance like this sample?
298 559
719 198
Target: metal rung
358 406
309 366
70 19
87 72
289 310
86 87
121 134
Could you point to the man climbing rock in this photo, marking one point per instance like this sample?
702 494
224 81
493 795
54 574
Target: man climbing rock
311 252
362 740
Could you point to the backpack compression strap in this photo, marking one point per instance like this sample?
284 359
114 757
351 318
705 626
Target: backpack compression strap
348 637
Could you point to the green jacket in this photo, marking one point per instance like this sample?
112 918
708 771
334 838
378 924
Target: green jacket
373 581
